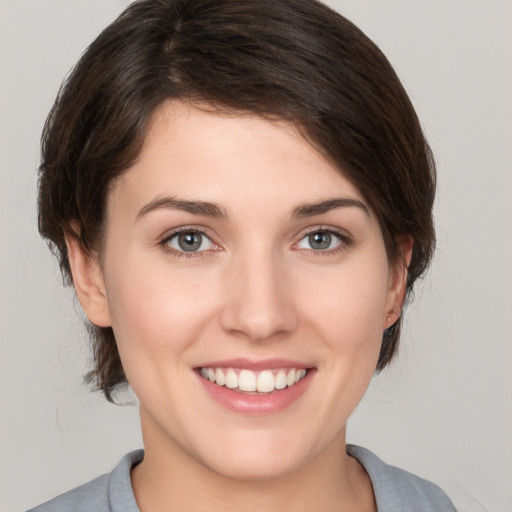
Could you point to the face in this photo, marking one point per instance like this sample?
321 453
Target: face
247 284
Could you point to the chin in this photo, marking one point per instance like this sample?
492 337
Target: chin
261 455
262 468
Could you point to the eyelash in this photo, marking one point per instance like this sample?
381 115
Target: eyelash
184 254
345 241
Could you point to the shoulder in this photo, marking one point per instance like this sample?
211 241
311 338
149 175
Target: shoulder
397 490
111 492
87 497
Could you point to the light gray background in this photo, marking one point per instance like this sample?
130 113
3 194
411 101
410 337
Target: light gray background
443 410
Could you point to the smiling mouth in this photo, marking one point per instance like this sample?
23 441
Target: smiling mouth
247 381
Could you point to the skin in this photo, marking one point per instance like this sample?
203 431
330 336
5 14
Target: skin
256 289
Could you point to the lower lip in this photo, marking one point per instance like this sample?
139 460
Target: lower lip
257 404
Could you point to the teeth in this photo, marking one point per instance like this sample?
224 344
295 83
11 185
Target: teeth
290 378
246 381
265 381
231 379
220 378
280 379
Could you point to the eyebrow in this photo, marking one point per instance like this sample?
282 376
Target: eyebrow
195 207
213 210
311 209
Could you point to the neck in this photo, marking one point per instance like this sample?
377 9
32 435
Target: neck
170 478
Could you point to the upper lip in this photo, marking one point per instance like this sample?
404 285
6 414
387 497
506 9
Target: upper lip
255 365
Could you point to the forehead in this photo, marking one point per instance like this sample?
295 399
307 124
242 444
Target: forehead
237 160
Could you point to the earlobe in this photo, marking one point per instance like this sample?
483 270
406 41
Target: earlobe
88 282
398 284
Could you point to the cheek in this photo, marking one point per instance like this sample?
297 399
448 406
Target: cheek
348 304
155 310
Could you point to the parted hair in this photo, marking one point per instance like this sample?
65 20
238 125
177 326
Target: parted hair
292 60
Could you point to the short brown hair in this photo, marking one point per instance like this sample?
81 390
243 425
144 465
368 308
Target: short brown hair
294 60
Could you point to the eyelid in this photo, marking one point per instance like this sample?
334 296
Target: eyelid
344 238
173 233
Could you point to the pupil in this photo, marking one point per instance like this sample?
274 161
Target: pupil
320 240
190 241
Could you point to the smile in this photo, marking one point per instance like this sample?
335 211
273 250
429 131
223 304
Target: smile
247 381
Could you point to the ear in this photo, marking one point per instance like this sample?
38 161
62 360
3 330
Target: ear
397 285
88 282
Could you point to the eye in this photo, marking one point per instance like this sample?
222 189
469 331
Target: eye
189 241
321 240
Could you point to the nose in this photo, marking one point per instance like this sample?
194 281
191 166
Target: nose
258 298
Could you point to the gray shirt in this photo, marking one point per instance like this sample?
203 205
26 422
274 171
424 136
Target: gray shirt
395 490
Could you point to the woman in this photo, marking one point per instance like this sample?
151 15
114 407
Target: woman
241 194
